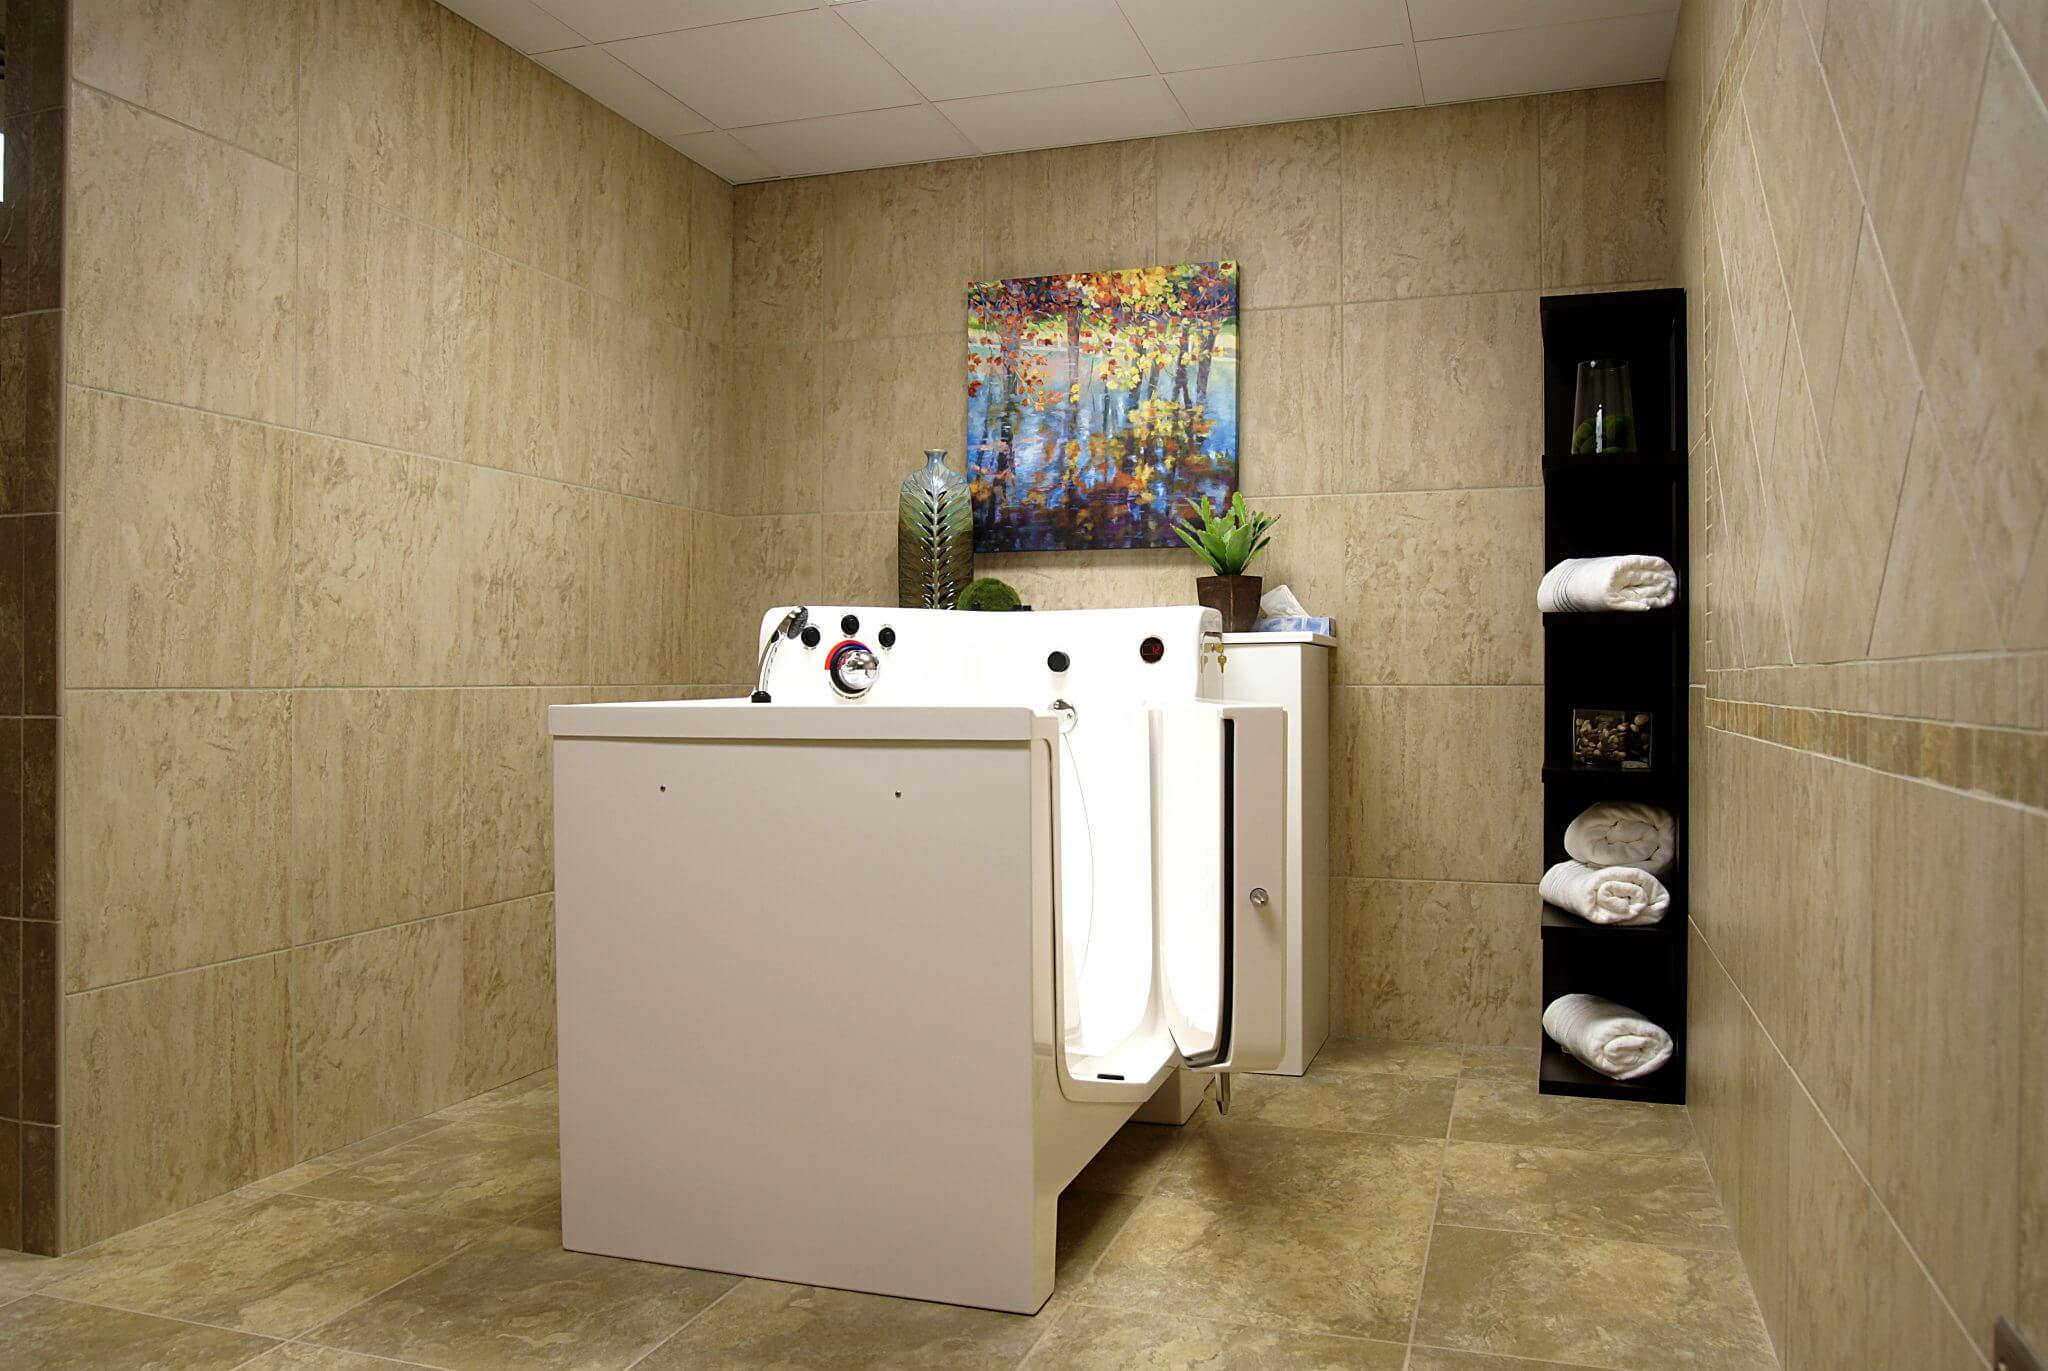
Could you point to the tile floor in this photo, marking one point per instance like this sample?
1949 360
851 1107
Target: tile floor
1403 1206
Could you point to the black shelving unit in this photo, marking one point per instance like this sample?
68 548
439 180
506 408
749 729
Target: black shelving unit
1595 506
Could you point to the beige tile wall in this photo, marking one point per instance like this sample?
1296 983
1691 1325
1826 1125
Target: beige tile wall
1391 401
392 375
1859 203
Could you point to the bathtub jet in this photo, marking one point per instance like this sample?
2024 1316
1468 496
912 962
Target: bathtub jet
853 980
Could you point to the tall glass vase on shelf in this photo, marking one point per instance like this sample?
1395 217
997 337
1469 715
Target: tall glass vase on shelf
1604 412
934 535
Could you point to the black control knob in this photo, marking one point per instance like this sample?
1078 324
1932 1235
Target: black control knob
811 636
849 624
887 637
1151 650
1058 661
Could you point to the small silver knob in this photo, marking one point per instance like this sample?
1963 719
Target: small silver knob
1259 896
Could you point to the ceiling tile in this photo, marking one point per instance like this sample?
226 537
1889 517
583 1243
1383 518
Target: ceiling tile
517 24
1183 34
850 142
1299 87
607 80
1099 112
602 21
955 48
723 155
1604 52
1449 18
763 71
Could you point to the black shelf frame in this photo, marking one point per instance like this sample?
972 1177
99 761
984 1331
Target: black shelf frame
1585 499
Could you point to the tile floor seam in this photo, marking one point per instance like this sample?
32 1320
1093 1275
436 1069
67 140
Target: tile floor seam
677 1331
306 1334
1587 1237
1428 1240
275 1338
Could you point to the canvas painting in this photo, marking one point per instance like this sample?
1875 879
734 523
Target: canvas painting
1100 405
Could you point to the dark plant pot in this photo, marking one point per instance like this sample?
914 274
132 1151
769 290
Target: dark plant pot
1236 598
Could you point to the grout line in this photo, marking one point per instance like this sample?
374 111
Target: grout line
737 1283
1981 796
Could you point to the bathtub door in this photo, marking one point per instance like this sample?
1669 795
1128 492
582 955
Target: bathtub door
1219 854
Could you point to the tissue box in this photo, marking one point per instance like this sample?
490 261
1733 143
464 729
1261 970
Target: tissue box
1295 623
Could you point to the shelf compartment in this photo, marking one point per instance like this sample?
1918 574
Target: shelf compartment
1634 465
1562 923
1560 1073
1604 619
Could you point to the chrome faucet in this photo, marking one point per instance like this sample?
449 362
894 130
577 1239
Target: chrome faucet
791 624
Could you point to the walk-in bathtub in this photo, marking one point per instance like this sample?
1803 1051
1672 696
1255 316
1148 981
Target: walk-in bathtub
855 976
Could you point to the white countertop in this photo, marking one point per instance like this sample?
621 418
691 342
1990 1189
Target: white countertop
739 718
1290 636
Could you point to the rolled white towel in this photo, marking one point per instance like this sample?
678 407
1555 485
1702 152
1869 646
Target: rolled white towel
1612 1039
1606 894
1624 833
1585 584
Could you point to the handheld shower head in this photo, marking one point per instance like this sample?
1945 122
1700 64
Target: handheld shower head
789 626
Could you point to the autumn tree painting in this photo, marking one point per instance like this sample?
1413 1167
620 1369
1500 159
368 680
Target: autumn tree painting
1100 405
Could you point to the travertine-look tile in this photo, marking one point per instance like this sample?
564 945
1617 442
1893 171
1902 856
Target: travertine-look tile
380 324
1095 580
31 399
858 558
516 1299
1933 75
508 827
1438 959
275 1264
528 378
1809 188
632 552
376 565
653 424
778 259
1934 599
1503 1106
342 1158
1758 310
56 1335
377 1021
179 530
749 565
467 1170
1433 587
1070 209
1358 1101
641 234
1630 1304
303 1356
531 1102
508 991
1266 198
195 307
525 594
1388 1056
1442 393
1983 362
901 246
773 453
766 1323
1575 1194
40 801
177 845
531 185
1264 1266
1411 765
168 58
1088 1339
176 1089
1290 387
1603 186
1944 1141
1864 451
885 402
1835 1235
1444 1359
711 240
376 808
1441 201
1308 1172
384 96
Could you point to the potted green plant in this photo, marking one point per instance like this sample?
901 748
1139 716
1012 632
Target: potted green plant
1227 542
986 593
